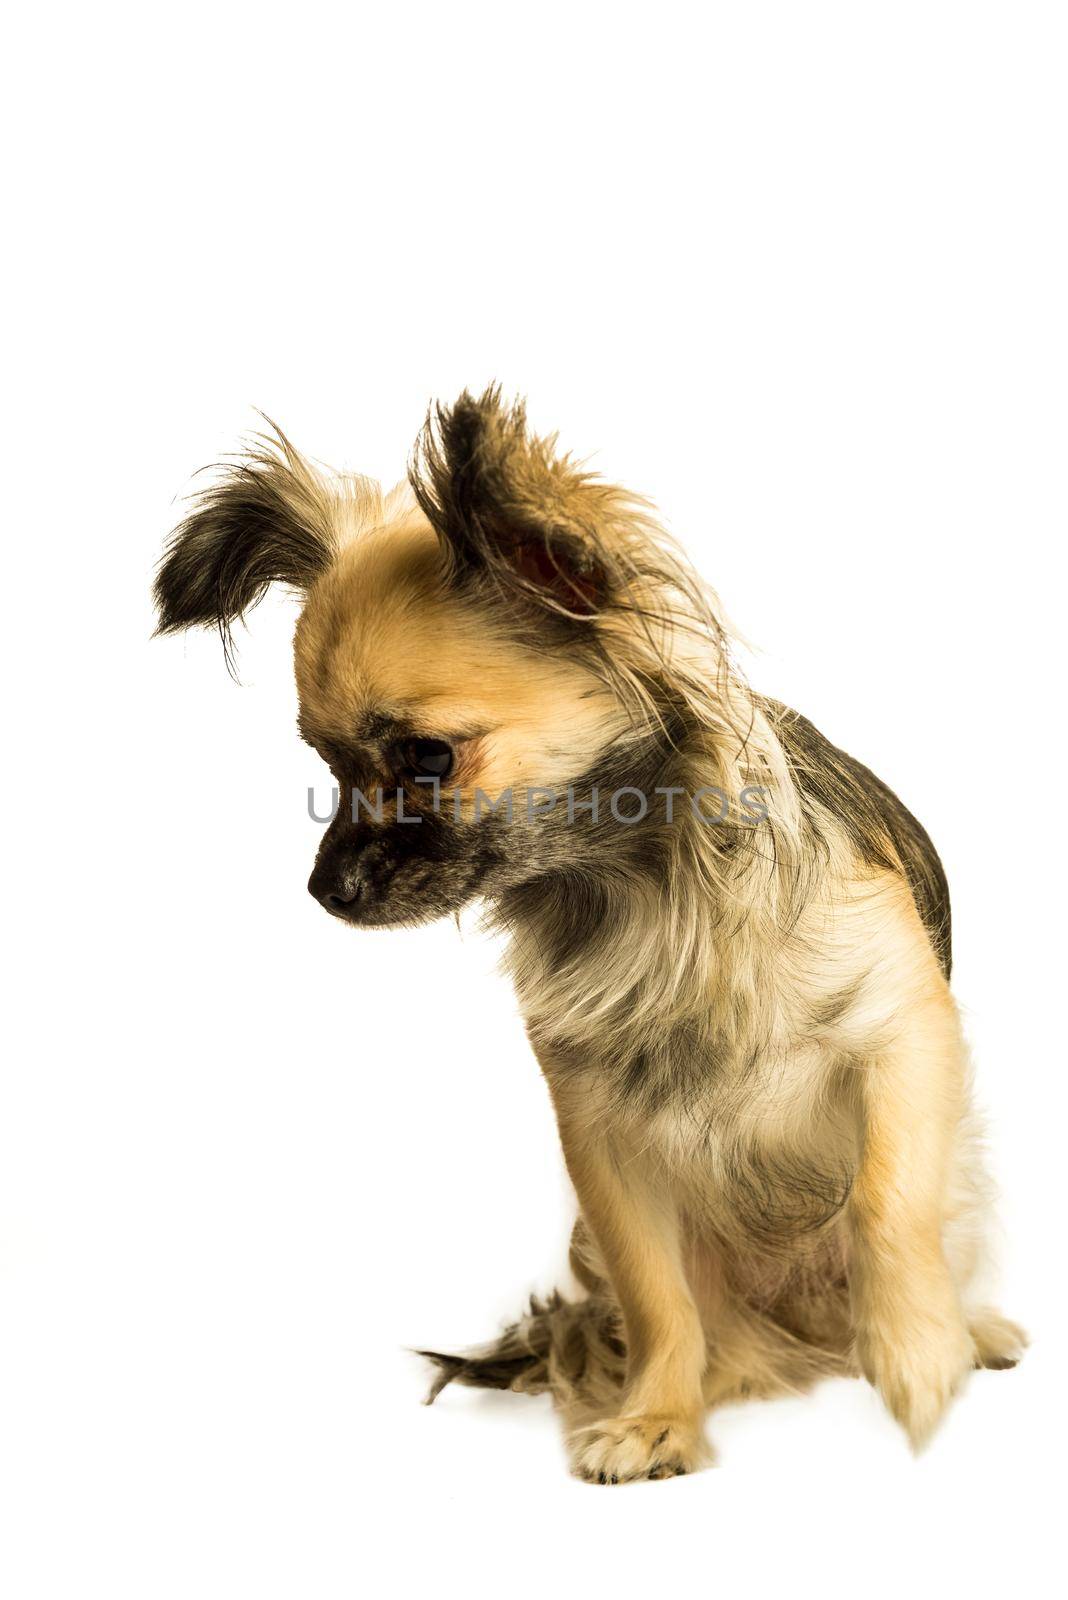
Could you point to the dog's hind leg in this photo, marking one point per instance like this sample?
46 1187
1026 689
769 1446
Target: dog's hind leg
999 1343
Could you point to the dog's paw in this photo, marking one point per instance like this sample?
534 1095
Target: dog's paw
622 1449
999 1343
917 1370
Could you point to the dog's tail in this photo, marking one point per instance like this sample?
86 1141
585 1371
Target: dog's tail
571 1349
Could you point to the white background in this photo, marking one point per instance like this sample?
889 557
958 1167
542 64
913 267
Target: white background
795 271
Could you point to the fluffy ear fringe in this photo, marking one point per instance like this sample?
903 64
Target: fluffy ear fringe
263 521
553 541
504 505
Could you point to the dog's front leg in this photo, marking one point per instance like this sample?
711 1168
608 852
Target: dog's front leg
912 1340
657 1432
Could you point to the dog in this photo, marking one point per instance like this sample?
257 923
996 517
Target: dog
730 941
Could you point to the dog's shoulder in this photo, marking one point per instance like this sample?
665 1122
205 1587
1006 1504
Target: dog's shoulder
881 829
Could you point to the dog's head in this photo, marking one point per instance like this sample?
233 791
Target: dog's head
473 646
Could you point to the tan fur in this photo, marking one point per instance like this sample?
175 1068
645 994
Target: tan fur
381 632
814 1202
628 1205
884 1086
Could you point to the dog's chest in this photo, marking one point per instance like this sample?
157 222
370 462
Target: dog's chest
766 1148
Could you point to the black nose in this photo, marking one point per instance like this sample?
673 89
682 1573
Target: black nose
336 887
334 902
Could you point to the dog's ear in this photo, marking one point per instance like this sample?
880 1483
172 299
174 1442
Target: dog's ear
505 506
264 520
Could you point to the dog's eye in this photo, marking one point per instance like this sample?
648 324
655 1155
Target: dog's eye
427 758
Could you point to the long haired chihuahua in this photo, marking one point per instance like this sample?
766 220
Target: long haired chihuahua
730 940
